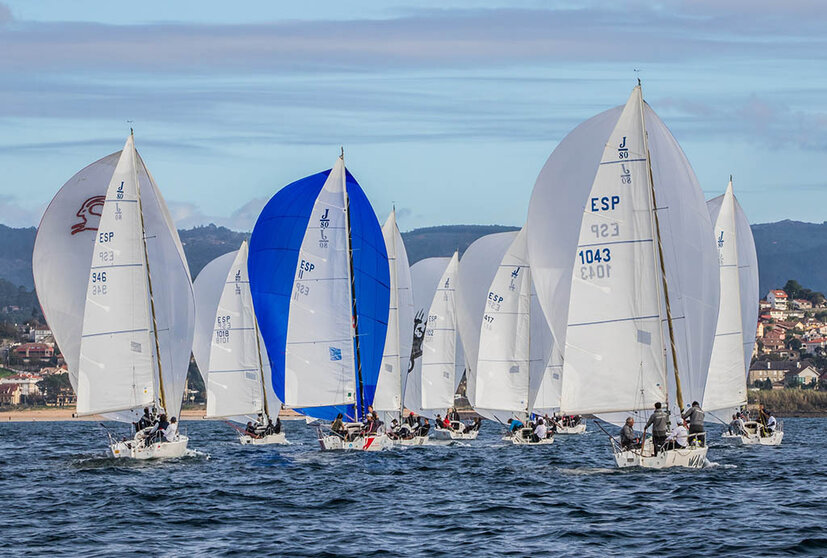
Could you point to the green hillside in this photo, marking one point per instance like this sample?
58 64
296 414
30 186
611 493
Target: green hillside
786 250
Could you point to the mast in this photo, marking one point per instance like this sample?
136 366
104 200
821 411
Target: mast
528 385
161 396
260 367
664 285
360 401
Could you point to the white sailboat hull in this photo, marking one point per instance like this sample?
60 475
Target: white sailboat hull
376 442
773 439
135 449
415 441
691 458
270 439
576 429
443 434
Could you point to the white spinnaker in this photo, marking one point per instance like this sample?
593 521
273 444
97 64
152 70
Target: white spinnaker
234 381
117 348
556 211
393 372
425 275
63 252
439 382
502 372
726 385
319 361
747 273
614 351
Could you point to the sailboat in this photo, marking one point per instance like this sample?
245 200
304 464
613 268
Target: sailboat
229 352
726 383
439 378
319 277
115 288
633 293
390 386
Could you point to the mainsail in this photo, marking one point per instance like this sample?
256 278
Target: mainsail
390 387
320 284
118 348
598 282
735 333
62 257
439 378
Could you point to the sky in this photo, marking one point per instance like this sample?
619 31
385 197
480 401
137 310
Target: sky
446 109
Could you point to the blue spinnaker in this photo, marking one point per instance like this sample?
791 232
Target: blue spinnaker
274 252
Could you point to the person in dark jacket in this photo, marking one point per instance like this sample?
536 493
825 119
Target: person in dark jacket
695 416
338 426
628 440
659 423
144 422
423 429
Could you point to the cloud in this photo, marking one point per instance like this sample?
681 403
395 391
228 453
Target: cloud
15 214
5 14
187 215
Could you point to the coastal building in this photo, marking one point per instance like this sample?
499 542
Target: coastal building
26 382
9 394
33 350
801 304
812 345
774 371
777 299
764 305
803 376
39 335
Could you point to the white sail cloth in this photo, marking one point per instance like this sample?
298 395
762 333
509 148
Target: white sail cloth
726 386
425 275
63 255
747 272
236 381
564 208
319 358
514 341
390 386
439 347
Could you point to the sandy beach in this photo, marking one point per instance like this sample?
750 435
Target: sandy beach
68 414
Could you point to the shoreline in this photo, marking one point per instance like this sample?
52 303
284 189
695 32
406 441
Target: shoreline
67 414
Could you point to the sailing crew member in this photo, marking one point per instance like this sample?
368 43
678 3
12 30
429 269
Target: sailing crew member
423 429
628 440
171 431
658 422
338 427
157 433
540 431
412 420
514 424
453 415
678 438
737 425
393 431
144 422
250 430
474 426
771 423
696 422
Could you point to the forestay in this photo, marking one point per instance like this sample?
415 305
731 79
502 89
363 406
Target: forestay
390 387
117 370
439 382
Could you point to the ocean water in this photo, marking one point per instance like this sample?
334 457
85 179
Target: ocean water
61 496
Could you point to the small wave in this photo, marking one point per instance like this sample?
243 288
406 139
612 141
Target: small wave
588 471
713 464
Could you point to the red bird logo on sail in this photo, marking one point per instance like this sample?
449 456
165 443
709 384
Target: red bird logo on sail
91 207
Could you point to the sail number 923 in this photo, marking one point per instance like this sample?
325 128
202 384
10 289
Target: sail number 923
594 263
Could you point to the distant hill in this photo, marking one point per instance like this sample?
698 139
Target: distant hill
786 250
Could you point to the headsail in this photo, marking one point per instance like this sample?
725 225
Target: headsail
390 387
439 381
118 349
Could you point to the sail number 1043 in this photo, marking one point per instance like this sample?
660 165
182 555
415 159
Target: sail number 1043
595 263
